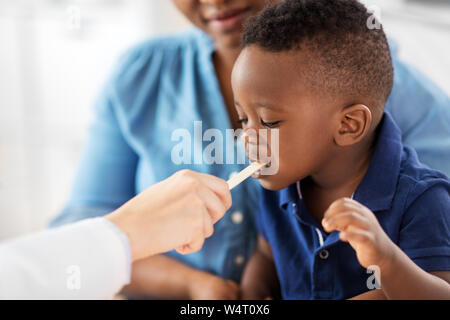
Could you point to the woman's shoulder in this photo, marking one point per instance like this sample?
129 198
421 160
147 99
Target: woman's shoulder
157 66
159 57
175 47
191 38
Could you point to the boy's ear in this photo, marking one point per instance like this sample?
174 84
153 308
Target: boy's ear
355 122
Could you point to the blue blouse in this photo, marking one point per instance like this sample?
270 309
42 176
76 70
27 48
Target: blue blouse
167 83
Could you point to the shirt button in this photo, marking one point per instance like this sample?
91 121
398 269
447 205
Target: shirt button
323 254
237 217
239 260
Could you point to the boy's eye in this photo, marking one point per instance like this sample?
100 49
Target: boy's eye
242 121
270 124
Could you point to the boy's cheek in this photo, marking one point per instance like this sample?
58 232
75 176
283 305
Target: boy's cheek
275 182
286 166
269 183
272 153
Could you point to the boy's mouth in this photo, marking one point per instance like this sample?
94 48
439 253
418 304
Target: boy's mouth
258 174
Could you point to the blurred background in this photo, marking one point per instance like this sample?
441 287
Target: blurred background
55 55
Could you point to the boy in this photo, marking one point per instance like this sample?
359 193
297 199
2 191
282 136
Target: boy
348 199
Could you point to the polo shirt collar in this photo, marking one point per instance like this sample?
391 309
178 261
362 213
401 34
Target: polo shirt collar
378 186
205 41
287 195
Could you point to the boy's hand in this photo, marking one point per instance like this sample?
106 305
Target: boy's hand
360 228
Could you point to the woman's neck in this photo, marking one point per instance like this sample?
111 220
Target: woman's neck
226 56
224 59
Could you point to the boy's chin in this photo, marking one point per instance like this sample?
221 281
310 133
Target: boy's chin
273 183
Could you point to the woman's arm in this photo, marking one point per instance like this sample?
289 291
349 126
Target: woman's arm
162 277
159 277
260 280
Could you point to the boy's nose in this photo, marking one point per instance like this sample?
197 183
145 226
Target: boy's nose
254 134
253 140
249 135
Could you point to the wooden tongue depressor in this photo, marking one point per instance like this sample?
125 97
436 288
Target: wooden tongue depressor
244 174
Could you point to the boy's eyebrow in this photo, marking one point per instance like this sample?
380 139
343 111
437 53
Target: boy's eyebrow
262 105
267 106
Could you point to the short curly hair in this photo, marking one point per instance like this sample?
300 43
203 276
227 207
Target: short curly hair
348 56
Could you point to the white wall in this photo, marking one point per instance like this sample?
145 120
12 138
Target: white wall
422 30
53 62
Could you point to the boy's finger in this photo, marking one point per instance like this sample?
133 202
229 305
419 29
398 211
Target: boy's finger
343 220
356 236
342 204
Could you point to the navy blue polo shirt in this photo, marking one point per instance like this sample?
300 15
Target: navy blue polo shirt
410 201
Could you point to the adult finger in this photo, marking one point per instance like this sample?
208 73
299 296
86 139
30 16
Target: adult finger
218 186
213 203
192 247
208 226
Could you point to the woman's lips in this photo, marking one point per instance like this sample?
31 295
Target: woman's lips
229 19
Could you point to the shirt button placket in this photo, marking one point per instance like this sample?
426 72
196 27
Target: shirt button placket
323 275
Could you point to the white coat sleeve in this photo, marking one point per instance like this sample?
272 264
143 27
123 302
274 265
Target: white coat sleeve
85 260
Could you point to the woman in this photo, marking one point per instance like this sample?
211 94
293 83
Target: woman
169 83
